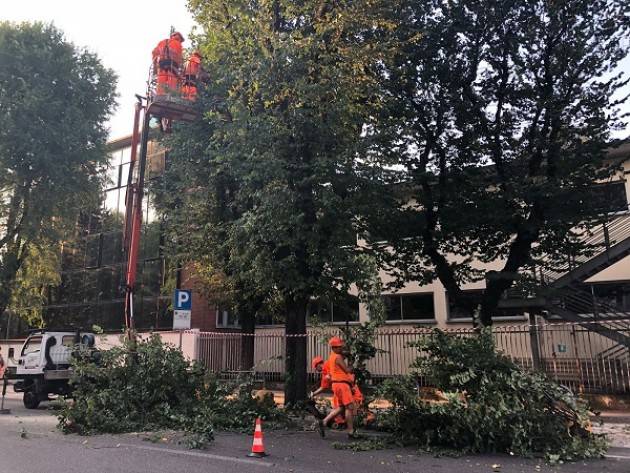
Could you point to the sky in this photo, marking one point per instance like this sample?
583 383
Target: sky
123 34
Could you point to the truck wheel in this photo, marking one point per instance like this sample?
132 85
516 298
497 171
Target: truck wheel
30 400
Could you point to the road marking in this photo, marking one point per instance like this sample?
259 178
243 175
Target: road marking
618 457
199 454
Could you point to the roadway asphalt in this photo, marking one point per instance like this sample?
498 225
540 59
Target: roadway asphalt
30 443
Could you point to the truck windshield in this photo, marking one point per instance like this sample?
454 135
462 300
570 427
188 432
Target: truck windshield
32 345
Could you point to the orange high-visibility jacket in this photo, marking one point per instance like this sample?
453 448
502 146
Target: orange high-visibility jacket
337 374
326 381
168 53
192 67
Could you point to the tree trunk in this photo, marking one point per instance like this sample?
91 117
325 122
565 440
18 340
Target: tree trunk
246 309
295 353
489 304
497 282
9 268
12 246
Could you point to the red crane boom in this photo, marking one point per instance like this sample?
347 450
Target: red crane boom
165 104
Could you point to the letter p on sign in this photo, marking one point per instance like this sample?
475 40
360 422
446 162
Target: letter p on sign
183 300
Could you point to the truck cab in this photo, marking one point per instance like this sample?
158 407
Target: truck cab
44 361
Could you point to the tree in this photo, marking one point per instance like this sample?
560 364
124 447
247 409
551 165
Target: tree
270 180
54 101
194 201
493 133
39 271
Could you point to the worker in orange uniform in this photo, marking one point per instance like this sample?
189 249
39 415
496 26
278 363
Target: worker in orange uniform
192 72
325 382
342 382
167 62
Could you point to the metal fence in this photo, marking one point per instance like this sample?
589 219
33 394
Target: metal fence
567 352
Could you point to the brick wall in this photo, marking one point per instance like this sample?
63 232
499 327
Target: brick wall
203 314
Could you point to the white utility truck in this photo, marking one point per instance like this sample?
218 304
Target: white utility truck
43 366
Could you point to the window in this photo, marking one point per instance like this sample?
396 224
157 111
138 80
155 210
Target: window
409 306
613 296
93 251
93 265
475 296
226 318
418 307
455 312
609 197
113 177
124 174
110 282
33 345
343 309
91 290
150 240
112 202
393 308
346 309
68 341
111 252
267 318
404 223
151 277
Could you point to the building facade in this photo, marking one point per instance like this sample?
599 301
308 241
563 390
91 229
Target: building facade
93 265
93 269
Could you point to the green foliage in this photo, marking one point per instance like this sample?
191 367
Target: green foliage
359 347
273 164
232 407
150 386
360 339
492 405
39 271
55 100
494 126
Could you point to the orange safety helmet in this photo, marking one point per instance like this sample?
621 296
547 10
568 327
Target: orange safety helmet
316 361
177 35
335 342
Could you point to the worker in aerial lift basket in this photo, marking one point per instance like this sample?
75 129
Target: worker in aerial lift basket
167 63
192 76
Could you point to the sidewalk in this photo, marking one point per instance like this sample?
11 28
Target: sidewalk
616 424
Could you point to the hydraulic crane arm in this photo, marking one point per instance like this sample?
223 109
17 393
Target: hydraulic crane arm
165 107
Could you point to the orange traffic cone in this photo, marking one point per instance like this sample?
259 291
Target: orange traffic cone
258 449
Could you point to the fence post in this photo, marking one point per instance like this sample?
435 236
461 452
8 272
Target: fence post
389 349
578 364
196 342
534 342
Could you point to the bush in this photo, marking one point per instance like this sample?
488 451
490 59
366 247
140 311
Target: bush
232 406
151 386
492 405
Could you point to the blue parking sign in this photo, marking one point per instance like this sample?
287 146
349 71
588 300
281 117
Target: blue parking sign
182 299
